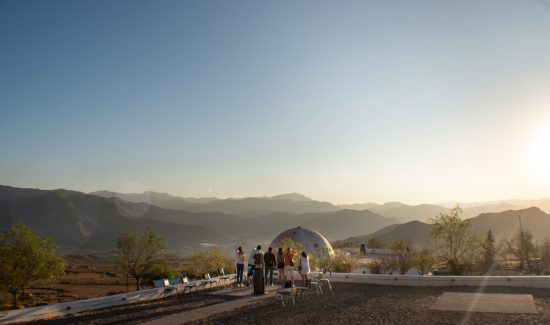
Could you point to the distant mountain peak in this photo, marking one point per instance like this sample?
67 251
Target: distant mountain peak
394 204
291 197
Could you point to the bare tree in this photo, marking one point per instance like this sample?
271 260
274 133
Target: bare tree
545 257
403 255
522 247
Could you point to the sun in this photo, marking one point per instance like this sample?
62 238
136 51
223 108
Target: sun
540 153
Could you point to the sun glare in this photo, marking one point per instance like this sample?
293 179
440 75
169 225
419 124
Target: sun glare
540 153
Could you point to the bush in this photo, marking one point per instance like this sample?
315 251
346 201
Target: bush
160 271
374 266
423 261
344 263
207 262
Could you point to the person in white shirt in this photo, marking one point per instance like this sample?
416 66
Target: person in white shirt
239 262
303 267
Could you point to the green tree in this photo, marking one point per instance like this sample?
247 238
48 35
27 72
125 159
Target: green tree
453 240
423 261
489 252
138 252
26 257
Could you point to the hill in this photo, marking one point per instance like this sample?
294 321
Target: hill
424 212
414 231
503 225
78 221
506 224
333 225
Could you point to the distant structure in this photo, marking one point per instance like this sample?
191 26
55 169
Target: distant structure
312 240
363 249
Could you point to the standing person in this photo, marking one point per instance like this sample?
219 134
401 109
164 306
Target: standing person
239 261
304 268
289 264
281 265
269 260
250 273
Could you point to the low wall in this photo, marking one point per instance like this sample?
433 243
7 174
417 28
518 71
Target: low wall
441 281
77 306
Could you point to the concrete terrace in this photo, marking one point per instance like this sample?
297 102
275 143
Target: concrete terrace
148 305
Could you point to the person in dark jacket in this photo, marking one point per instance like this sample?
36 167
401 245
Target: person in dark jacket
270 263
281 264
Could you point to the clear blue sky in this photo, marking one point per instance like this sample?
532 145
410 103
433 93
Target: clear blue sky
345 101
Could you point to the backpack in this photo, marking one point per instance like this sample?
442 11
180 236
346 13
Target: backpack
288 284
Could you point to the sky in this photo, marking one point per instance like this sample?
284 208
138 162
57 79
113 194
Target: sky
343 101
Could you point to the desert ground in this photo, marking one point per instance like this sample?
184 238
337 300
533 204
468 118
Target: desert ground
86 276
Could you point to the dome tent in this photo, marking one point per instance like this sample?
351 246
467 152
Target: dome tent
312 241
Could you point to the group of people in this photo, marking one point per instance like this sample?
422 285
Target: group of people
285 263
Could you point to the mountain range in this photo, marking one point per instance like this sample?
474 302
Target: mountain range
251 206
503 225
80 221
424 212
93 221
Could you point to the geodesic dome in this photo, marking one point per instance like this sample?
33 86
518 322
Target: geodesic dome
313 241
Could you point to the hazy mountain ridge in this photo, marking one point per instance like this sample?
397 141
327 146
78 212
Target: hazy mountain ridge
298 203
76 220
333 225
250 206
424 212
504 225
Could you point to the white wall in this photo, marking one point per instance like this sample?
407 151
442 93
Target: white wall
440 281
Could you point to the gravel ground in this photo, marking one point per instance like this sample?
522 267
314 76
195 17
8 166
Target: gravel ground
140 312
372 304
346 304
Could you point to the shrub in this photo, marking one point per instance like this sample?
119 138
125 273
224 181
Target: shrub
343 262
207 262
374 266
423 261
160 271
